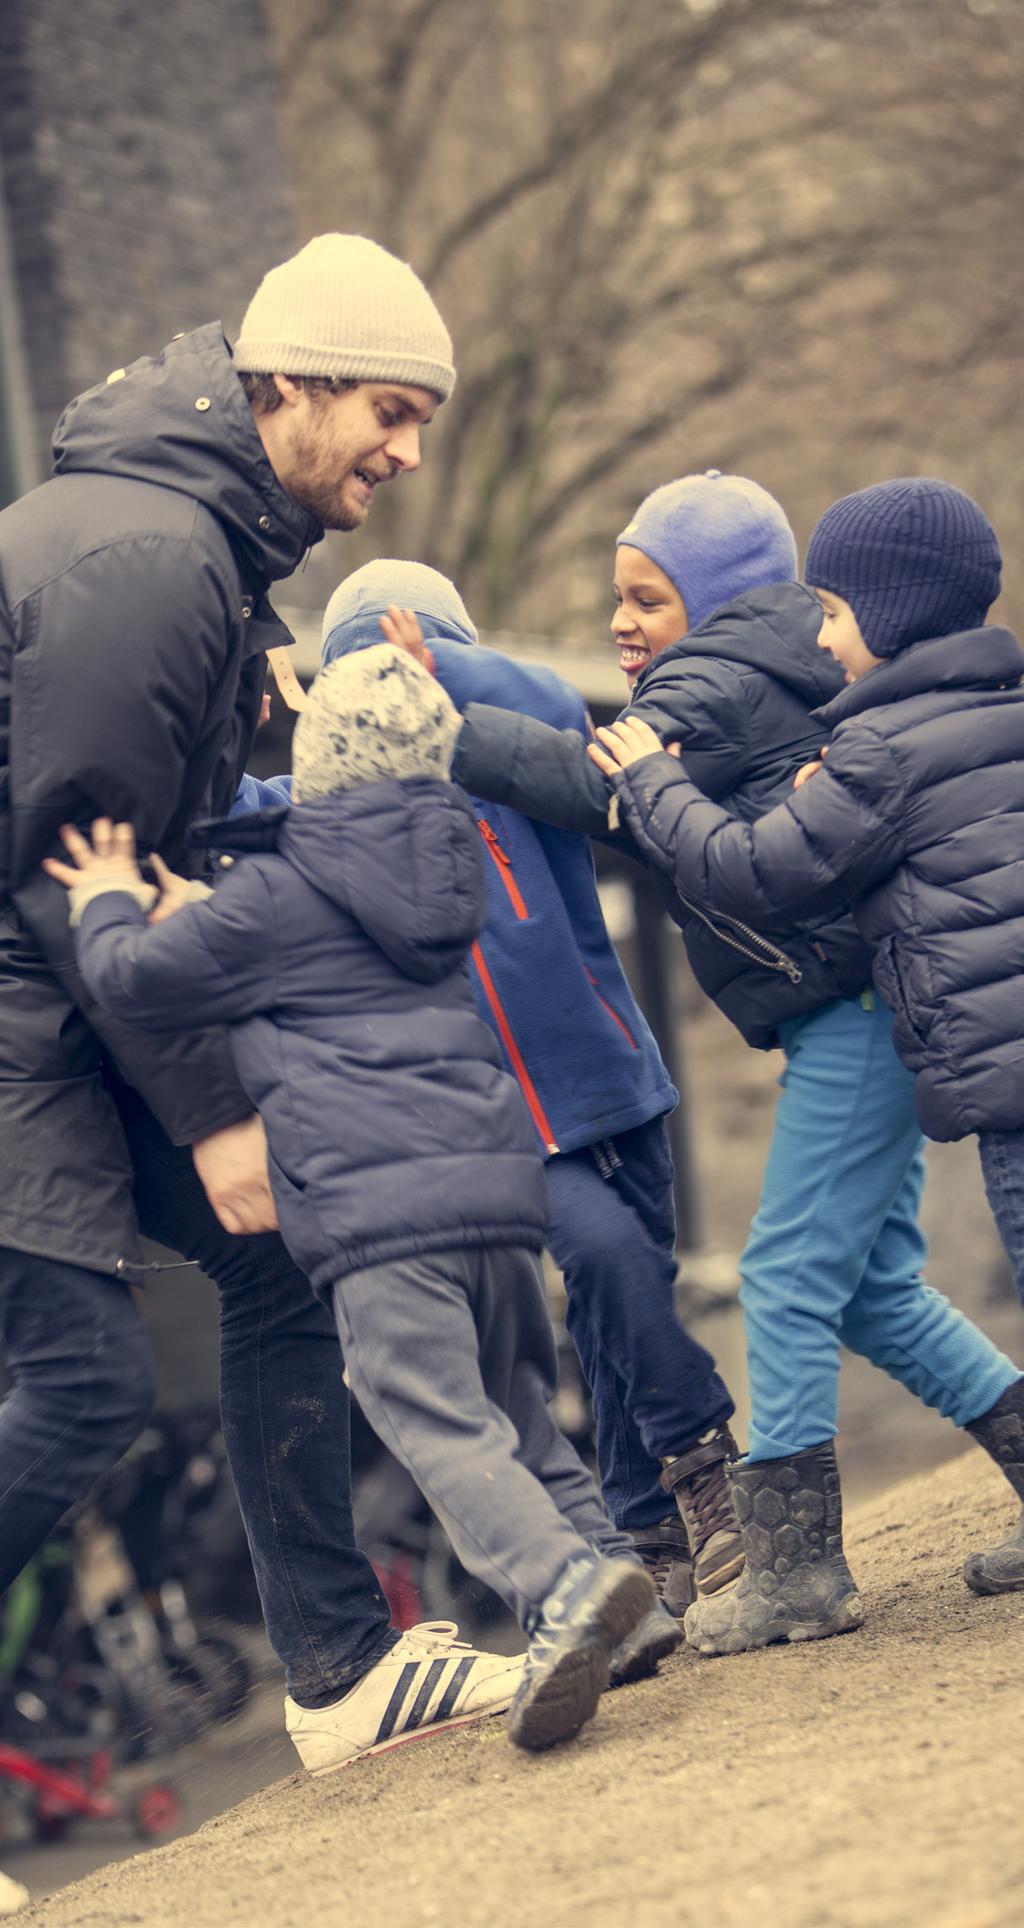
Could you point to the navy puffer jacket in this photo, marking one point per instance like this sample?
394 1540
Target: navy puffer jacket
336 953
737 695
918 820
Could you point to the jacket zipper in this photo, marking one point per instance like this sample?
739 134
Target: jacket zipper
503 862
515 1057
612 1013
764 953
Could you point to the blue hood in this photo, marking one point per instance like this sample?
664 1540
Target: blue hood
352 617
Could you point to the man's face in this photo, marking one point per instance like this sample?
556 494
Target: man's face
649 611
333 452
840 635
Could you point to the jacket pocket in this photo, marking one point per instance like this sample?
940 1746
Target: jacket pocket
892 982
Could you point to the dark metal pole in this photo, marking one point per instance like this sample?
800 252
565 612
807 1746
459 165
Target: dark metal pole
654 969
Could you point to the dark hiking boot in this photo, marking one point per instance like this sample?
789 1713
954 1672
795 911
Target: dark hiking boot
796 1584
665 1552
653 1638
698 1482
590 1612
1000 1569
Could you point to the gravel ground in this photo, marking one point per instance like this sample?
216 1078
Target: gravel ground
865 1782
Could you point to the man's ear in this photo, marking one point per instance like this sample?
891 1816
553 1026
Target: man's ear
290 388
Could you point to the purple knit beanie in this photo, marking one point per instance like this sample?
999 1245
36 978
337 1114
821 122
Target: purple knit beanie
913 558
716 537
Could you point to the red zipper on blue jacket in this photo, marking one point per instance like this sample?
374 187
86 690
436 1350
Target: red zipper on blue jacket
503 864
536 1110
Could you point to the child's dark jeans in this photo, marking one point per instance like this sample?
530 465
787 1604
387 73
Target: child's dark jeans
1002 1164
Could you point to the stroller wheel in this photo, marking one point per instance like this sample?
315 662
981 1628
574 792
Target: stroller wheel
155 1811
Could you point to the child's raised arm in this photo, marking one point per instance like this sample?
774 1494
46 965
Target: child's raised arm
825 846
211 962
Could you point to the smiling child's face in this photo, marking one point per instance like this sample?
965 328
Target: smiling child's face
840 635
649 611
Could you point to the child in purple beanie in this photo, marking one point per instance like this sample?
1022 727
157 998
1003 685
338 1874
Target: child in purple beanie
915 821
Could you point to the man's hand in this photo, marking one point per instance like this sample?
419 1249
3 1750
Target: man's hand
401 627
808 770
175 891
232 1169
624 743
108 861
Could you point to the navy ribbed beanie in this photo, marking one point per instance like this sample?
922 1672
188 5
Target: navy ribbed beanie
913 558
715 536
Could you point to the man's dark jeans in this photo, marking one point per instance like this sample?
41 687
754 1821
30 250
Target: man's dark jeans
655 1390
78 1354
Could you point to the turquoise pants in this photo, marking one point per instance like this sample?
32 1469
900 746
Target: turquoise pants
835 1251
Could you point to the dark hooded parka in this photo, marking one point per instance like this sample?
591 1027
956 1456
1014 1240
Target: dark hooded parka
916 820
132 632
737 696
336 951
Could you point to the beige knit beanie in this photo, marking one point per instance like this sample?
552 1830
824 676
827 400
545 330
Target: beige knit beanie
372 715
344 306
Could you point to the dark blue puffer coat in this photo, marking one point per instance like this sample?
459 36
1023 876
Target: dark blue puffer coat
738 695
918 820
337 956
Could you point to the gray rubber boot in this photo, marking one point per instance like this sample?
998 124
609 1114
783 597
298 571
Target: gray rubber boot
1000 1569
796 1584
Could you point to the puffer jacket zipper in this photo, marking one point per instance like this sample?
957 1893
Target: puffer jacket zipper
515 1057
503 864
764 953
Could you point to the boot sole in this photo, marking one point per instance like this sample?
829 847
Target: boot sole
643 1664
568 1695
849 1617
406 1739
722 1576
990 1589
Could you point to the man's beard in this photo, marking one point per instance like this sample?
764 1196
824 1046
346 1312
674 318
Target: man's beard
324 501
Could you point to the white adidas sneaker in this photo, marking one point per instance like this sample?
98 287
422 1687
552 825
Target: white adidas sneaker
429 1682
12 1895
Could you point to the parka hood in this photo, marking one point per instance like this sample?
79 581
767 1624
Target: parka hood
352 617
774 630
180 420
401 856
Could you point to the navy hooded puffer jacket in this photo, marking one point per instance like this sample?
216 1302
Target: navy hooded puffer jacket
738 695
337 956
917 819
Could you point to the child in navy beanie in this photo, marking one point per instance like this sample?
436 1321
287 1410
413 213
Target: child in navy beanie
911 558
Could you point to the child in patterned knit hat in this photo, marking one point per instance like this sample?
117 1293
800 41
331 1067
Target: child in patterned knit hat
402 1160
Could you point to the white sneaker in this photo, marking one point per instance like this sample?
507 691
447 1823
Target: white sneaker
12 1895
430 1681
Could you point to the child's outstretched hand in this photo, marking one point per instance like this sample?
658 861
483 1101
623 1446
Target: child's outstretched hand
401 627
625 742
808 770
175 891
108 861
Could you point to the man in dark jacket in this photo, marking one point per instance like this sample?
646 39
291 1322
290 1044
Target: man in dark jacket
133 626
915 820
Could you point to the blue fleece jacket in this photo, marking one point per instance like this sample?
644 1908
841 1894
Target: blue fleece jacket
546 977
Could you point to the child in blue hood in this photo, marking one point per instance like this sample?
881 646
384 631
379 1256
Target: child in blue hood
402 1162
915 820
549 985
721 648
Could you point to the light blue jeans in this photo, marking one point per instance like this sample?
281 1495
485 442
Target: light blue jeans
835 1251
